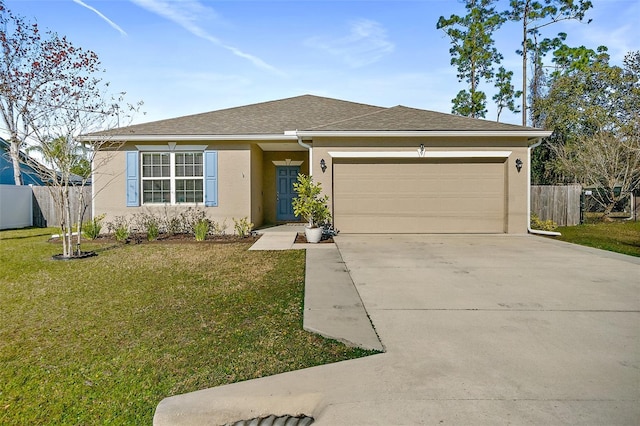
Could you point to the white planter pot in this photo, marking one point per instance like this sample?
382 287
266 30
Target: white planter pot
313 235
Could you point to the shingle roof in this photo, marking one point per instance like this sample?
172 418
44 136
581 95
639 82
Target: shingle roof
272 117
309 112
402 118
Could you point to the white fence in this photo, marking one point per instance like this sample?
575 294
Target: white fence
16 206
22 206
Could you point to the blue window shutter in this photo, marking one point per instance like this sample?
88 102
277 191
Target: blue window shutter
211 178
133 184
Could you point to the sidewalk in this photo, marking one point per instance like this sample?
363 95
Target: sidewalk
281 237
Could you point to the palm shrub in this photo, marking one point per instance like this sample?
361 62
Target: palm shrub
120 228
92 228
201 229
242 226
309 204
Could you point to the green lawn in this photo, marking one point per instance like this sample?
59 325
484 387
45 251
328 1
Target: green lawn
103 340
621 237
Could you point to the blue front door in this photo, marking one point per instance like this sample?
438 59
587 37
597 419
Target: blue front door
285 178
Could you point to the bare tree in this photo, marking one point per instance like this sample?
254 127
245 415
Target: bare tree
57 135
603 162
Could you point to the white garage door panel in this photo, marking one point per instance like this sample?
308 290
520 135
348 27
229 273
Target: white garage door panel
408 197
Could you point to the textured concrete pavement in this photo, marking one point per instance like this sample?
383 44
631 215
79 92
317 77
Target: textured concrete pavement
477 330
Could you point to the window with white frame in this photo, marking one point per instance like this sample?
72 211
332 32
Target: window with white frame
172 177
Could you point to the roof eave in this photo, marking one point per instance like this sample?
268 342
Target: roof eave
186 138
537 133
295 134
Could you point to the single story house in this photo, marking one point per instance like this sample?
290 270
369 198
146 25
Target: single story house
385 170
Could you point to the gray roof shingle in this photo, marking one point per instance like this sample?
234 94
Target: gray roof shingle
272 117
401 118
311 113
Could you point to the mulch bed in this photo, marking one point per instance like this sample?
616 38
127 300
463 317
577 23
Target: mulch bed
301 239
165 238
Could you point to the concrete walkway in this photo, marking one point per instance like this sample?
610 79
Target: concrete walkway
281 237
332 305
479 330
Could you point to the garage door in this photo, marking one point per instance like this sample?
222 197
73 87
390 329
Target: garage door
419 196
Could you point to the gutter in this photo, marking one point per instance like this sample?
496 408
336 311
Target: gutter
308 147
534 231
186 138
536 133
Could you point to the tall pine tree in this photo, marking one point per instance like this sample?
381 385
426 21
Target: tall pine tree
473 53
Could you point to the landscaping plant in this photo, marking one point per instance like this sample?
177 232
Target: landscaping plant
308 203
201 229
242 226
92 228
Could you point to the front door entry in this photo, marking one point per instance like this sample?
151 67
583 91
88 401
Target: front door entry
285 178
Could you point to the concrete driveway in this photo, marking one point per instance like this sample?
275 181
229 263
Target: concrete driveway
477 330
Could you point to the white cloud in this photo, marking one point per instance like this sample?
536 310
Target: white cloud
187 14
366 43
100 14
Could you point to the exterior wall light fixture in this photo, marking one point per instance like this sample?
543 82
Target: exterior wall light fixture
323 165
518 164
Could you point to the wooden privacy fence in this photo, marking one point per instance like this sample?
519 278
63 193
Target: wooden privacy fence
560 203
44 207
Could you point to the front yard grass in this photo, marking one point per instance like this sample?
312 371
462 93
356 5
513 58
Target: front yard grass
102 340
620 237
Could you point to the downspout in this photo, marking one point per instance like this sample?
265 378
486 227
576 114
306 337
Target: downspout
304 145
534 231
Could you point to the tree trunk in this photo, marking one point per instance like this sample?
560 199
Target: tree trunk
82 208
524 63
14 152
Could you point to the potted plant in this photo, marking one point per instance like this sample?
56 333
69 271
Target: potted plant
311 207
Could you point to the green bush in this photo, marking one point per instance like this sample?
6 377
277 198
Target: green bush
153 231
120 228
542 225
201 229
92 229
242 226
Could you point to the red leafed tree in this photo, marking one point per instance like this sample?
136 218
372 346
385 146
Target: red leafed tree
39 73
49 96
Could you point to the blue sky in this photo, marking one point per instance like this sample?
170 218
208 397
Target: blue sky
189 56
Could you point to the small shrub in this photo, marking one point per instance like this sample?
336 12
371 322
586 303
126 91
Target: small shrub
153 231
92 228
542 225
148 223
173 226
242 226
218 228
190 218
120 228
201 229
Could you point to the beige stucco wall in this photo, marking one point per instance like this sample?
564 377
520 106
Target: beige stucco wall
516 183
234 185
257 198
